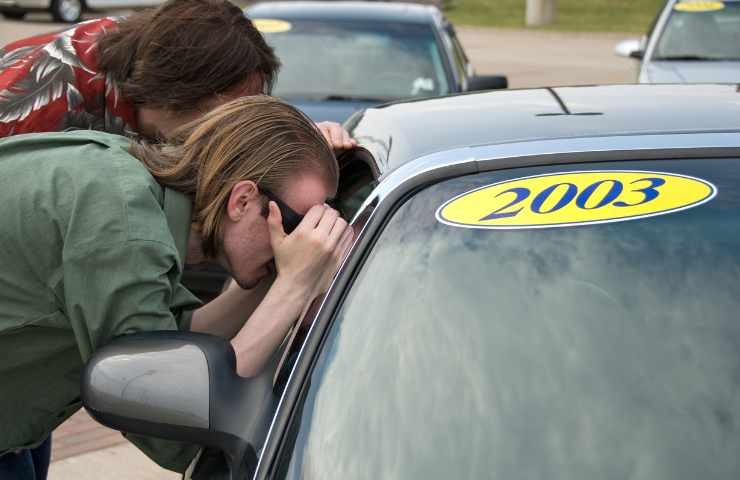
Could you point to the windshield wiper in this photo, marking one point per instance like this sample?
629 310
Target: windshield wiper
353 98
699 58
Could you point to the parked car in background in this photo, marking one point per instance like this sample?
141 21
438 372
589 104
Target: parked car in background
339 57
68 11
690 41
544 285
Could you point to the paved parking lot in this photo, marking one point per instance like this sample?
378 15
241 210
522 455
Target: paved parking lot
85 450
536 58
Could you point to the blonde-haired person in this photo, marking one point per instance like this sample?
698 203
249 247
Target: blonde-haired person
95 230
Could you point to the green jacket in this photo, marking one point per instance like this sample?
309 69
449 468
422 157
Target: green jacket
91 247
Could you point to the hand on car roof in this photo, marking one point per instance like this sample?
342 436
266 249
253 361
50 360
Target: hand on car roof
336 135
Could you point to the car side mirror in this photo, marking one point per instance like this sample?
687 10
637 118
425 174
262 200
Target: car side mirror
487 82
173 385
633 48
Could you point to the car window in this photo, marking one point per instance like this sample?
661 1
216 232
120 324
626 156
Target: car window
357 179
711 34
385 61
605 351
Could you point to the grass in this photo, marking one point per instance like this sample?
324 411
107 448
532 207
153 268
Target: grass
572 15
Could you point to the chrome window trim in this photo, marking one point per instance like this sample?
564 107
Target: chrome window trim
553 152
470 160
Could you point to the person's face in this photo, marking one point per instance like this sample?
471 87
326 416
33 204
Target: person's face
246 251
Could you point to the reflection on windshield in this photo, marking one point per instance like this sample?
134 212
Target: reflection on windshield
357 61
703 35
607 351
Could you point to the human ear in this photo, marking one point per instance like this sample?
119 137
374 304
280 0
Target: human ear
241 194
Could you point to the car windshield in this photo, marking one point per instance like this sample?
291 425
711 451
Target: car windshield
607 351
354 60
710 33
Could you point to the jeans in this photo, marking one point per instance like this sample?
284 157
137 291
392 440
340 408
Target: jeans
31 464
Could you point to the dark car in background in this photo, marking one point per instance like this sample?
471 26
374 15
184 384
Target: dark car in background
339 57
544 285
689 42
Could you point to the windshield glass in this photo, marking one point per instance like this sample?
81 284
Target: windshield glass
607 351
702 34
341 59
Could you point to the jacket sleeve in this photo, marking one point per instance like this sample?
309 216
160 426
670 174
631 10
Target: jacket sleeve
122 288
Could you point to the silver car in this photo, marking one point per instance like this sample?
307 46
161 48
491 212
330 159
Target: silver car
690 41
68 11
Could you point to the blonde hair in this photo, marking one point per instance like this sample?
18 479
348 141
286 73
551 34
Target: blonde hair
256 138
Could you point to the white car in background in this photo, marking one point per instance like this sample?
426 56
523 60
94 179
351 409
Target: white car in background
68 11
690 42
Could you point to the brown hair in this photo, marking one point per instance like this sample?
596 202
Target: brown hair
184 51
256 138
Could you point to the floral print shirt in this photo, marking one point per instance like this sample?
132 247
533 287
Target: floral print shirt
51 83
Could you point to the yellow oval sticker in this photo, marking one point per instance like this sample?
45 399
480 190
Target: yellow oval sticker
698 6
271 25
575 198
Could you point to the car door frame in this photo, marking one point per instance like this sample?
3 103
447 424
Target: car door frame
655 33
446 41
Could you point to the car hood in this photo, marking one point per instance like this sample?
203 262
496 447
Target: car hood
334 111
692 72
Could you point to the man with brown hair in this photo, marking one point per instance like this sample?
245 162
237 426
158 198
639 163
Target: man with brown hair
143 75
95 230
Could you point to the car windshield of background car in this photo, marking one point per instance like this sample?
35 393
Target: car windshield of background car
357 60
601 351
701 35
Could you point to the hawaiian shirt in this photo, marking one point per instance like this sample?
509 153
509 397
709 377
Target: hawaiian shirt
51 83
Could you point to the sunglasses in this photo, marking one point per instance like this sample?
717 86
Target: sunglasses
291 218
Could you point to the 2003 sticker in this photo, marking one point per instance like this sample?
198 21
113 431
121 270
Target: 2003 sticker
271 25
575 198
698 6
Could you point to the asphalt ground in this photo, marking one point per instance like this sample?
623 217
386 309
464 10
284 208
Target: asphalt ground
83 449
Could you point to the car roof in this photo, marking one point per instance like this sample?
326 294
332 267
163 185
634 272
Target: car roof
364 11
398 133
671 2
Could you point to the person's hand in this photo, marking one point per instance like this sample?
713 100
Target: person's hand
337 137
315 248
